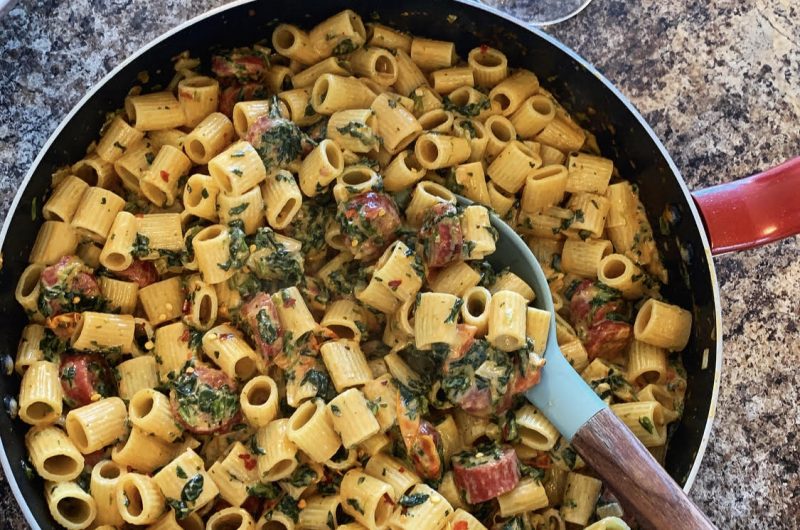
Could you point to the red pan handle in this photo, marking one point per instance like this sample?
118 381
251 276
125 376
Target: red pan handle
752 211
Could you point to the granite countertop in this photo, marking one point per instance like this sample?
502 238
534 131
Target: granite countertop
719 80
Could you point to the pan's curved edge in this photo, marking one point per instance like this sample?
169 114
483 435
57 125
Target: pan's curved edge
689 201
4 462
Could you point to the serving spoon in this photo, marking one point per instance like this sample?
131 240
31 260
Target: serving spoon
640 483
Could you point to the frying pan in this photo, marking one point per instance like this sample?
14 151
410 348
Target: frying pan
734 216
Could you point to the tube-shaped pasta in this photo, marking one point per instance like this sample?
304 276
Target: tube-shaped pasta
339 34
204 305
320 167
346 364
344 318
282 198
95 171
645 419
437 121
428 515
535 430
392 472
131 166
376 64
225 346
475 311
588 173
298 101
646 363
528 495
396 269
561 135
386 37
431 54
235 474
382 392
512 166
294 43
664 325
583 258
544 187
659 393
232 518
445 80
40 394
352 418
54 240
116 139
52 454
307 77
375 444
237 169
139 499
172 137
472 179
143 452
102 486
172 349
70 505
580 496
332 93
537 328
533 115
311 430
366 499
278 460
477 232
354 130
97 425
28 288
619 272
455 279
436 319
245 113
150 411
211 248
169 521
158 110
508 281
435 151
136 374
404 171
499 132
63 203
475 133
489 65
426 194
506 327
259 400
29 350
96 213
293 312
163 301
594 209
120 295
409 75
199 97
508 95
159 184
209 138
575 353
396 126
247 207
354 180
187 469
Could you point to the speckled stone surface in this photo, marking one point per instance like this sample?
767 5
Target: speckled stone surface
719 80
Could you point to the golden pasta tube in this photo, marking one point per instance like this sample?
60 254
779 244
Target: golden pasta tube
52 454
143 452
456 279
508 281
512 166
346 364
354 130
533 115
97 425
535 430
199 97
392 472
294 43
575 353
159 184
63 203
664 325
437 151
163 301
332 93
307 77
431 54
131 166
293 312
116 139
544 187
436 319
428 515
235 474
646 363
209 138
537 328
508 95
661 394
437 121
397 268
344 318
259 400
247 207
320 510
409 75
527 496
139 499
226 347
95 171
120 295
96 213
172 349
619 272
594 210
29 350
588 173
365 499
475 311
426 194
116 254
386 37
200 197
582 258
136 374
320 167
354 180
245 113
499 132
279 458
172 137
70 505
445 80
375 444
352 418
404 171
28 288
150 411
506 326
396 126
376 64
339 34
490 66
282 198
472 179
187 468
298 101
40 394
382 392
311 430
559 134
478 234
102 486
237 169
212 250
157 110
231 518
475 133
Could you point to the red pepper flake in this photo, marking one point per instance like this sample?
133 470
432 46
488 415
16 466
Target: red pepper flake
185 335
388 499
226 336
484 48
186 308
164 175
394 284
460 525
401 469
289 302
249 461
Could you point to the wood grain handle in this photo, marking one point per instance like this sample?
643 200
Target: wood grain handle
645 490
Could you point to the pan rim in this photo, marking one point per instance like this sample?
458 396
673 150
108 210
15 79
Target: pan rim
523 26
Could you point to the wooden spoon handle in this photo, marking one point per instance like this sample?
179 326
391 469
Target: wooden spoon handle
645 490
